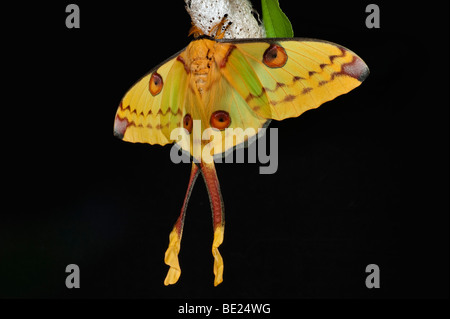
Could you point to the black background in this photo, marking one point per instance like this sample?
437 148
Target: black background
361 180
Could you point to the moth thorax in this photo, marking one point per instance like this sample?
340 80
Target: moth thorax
200 69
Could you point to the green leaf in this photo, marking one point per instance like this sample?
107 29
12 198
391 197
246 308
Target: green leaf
275 21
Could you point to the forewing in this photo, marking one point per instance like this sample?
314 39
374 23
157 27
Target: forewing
153 106
297 74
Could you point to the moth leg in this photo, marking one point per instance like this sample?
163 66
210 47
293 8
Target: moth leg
217 207
171 256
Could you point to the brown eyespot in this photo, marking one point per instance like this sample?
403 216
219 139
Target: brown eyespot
156 83
220 120
187 123
275 56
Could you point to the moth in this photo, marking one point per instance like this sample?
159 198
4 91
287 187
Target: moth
229 83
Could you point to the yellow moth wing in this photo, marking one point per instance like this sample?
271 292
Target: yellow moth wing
312 73
148 110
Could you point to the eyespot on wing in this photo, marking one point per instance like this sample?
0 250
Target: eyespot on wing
275 56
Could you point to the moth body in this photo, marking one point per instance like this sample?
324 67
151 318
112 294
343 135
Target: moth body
203 59
201 55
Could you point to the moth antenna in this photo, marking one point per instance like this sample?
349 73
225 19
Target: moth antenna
227 26
217 29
